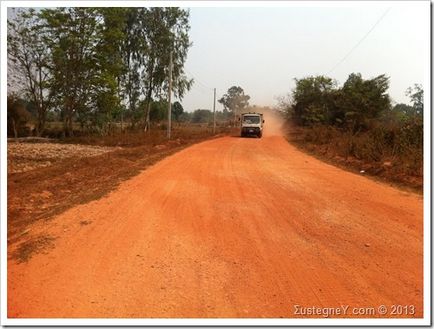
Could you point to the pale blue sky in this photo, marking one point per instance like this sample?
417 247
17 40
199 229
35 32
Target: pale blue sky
264 49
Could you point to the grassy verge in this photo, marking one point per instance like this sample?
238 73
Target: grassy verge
362 154
157 135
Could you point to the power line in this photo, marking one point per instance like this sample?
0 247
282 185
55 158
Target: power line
203 85
360 41
198 81
197 88
202 88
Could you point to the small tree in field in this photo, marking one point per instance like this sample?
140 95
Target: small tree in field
177 110
416 96
17 115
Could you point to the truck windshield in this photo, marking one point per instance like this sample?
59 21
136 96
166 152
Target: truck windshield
255 119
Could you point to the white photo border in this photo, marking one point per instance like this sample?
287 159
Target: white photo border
426 58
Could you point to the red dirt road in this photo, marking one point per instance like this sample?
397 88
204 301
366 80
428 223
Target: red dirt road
230 227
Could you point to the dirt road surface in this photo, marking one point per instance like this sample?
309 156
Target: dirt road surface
230 227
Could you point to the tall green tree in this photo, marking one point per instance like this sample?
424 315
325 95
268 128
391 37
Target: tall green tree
312 99
165 31
235 100
86 45
29 62
363 100
134 53
110 67
74 34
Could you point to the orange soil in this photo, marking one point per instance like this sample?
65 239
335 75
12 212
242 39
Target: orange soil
232 227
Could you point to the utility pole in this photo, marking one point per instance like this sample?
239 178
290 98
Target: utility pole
169 118
213 128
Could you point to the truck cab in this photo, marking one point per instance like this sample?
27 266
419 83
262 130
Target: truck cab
252 124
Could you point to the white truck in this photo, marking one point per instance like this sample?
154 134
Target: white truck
252 124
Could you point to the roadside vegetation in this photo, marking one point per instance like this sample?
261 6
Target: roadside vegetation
356 125
95 71
101 72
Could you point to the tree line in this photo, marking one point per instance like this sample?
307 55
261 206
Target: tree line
96 65
353 106
234 102
358 119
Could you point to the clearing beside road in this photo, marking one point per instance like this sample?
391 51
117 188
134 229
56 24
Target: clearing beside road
231 227
47 178
24 157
